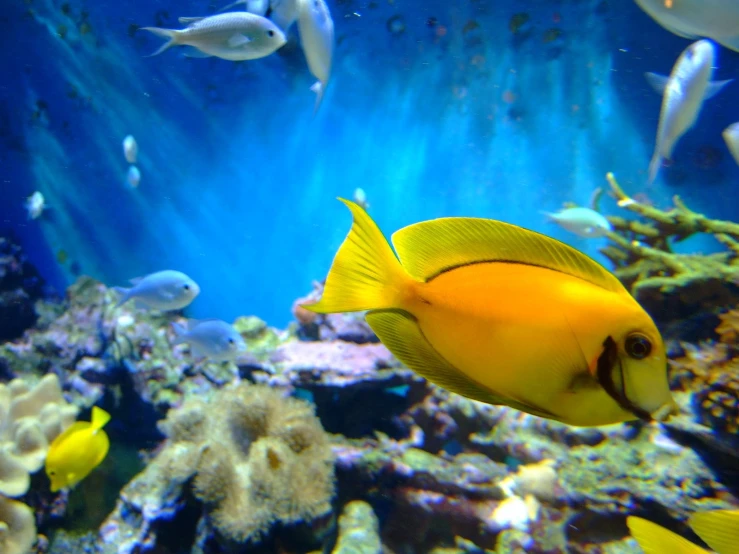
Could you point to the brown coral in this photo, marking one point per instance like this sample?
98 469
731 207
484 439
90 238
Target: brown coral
257 458
666 283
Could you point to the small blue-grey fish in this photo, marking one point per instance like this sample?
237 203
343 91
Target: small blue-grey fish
234 36
164 290
210 338
584 222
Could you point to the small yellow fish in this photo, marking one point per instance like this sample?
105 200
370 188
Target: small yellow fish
718 528
77 451
504 315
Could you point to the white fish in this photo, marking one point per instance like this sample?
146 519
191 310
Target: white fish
682 100
234 36
360 197
130 149
317 38
584 222
163 290
731 137
35 205
714 19
257 7
210 338
285 13
134 176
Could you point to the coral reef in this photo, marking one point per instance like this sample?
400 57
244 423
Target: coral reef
240 461
31 417
358 530
255 458
20 287
669 285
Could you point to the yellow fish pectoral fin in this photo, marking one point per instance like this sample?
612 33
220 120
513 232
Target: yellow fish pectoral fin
655 539
399 331
719 529
430 248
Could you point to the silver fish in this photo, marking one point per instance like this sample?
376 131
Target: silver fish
210 338
684 94
163 290
234 36
317 38
692 19
584 222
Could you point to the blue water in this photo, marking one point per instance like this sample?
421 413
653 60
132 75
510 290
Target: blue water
239 179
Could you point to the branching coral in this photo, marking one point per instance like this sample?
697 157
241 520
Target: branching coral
670 284
256 456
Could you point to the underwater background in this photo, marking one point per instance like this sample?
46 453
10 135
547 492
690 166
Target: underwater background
313 437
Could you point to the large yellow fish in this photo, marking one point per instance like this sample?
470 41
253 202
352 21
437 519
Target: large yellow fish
504 315
77 451
718 528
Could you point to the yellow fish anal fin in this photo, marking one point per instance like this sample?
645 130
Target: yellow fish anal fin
719 529
365 274
430 248
655 539
399 331
99 418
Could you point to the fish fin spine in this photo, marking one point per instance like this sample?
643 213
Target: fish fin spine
99 418
365 274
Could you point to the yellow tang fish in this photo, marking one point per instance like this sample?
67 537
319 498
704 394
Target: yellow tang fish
77 451
718 528
504 315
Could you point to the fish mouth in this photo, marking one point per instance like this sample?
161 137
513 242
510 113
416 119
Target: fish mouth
607 361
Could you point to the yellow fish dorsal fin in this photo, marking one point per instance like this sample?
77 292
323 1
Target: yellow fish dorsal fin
655 539
99 418
399 331
718 528
430 248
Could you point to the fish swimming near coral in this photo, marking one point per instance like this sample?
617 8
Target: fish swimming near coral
234 36
503 315
714 19
210 338
164 290
718 528
583 222
683 98
731 137
77 451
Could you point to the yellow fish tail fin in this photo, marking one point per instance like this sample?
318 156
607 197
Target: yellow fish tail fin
365 274
719 529
655 539
99 418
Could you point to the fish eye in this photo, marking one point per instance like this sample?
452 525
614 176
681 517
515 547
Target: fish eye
270 33
52 473
186 286
230 340
638 346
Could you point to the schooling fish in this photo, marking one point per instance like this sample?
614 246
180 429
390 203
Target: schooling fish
718 528
233 36
584 222
133 176
684 94
715 19
317 38
163 290
210 338
77 451
35 205
257 7
504 315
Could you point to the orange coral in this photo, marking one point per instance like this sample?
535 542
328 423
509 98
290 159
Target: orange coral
728 330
